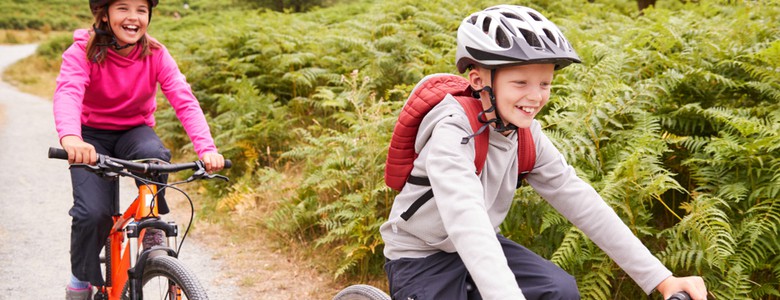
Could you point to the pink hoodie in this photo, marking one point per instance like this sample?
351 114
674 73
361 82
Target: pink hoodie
120 93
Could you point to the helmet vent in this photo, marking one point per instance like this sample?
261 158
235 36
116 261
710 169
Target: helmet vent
550 36
512 16
501 39
530 37
563 43
486 24
534 16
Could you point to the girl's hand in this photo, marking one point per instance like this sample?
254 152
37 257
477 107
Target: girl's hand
213 161
693 285
79 152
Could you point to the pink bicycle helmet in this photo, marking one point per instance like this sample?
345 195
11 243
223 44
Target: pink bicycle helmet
511 35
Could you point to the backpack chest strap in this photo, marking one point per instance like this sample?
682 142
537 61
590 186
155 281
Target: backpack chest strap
421 181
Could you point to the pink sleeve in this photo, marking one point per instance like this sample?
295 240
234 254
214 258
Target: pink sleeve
69 94
175 87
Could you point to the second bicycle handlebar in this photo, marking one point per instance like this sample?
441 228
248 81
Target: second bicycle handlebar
680 296
136 166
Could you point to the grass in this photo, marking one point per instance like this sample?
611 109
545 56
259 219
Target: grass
32 75
37 73
8 36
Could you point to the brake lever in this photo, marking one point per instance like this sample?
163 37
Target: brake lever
201 173
217 176
103 167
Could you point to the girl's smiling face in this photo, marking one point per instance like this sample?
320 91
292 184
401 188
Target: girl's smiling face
128 20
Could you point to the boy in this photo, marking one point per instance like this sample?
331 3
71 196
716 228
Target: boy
510 53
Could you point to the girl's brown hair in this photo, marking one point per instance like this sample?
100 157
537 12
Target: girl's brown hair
98 44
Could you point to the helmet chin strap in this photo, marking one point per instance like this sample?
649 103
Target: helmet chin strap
114 43
500 127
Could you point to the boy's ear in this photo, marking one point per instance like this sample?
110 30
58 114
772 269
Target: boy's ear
475 79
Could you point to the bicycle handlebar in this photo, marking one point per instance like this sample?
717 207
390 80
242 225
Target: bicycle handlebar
136 166
680 296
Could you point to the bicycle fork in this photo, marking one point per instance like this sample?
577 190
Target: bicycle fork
137 261
125 264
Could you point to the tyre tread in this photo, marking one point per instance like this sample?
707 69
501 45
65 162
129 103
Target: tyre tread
361 292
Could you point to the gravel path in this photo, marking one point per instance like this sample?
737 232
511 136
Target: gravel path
35 195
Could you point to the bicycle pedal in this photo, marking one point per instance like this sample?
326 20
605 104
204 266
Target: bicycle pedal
100 296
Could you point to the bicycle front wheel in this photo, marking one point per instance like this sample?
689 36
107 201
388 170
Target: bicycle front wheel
166 278
361 292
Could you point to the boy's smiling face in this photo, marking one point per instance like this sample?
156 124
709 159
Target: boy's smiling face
521 91
128 19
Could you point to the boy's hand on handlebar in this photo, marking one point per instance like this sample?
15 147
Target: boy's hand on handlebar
79 152
693 285
213 161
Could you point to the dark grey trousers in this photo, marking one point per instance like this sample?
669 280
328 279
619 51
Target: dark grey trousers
93 196
444 276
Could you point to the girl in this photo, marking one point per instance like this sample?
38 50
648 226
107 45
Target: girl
105 103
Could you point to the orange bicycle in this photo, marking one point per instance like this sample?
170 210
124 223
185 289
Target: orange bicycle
134 271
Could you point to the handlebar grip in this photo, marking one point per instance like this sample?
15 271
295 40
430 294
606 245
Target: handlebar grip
680 296
228 164
58 153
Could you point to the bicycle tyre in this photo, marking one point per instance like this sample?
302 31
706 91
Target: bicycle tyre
170 269
107 262
361 292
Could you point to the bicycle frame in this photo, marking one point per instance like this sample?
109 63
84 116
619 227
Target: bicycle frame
122 264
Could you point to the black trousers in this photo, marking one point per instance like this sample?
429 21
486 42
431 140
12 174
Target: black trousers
93 196
444 276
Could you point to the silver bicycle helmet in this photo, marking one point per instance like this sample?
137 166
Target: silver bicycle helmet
511 35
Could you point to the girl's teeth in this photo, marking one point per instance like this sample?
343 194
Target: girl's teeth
528 109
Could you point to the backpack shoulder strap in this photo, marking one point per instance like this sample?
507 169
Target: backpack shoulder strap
526 153
473 107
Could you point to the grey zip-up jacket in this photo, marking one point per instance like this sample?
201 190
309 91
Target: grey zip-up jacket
467 209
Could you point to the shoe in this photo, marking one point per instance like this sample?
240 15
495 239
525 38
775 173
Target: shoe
81 294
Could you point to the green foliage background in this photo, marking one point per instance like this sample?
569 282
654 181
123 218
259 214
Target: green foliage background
673 117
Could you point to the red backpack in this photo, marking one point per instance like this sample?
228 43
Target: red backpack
426 94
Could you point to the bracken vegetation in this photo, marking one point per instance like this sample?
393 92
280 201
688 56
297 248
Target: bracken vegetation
673 117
